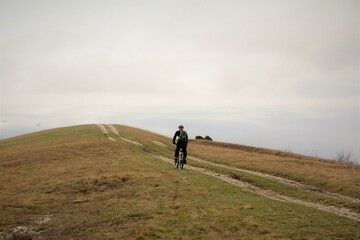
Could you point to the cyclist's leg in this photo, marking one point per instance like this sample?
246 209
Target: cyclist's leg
177 151
185 152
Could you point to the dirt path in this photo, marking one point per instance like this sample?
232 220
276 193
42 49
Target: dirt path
113 130
244 185
279 179
105 132
116 132
268 193
283 180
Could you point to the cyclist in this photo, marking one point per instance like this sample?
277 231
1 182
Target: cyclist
181 140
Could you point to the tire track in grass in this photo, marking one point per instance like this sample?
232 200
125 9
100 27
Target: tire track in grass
105 132
344 212
116 132
302 186
113 130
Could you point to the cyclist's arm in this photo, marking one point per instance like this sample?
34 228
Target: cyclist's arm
177 133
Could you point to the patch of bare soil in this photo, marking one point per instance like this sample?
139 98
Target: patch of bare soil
32 231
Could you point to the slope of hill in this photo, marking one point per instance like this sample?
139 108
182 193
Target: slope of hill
116 182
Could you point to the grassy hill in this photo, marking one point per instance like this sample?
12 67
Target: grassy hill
115 182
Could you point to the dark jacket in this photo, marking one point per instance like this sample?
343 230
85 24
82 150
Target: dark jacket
177 134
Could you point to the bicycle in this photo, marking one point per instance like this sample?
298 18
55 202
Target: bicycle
179 162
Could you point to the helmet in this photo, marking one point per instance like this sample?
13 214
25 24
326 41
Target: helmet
181 126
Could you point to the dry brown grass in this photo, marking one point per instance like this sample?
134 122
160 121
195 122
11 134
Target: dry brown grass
329 175
93 188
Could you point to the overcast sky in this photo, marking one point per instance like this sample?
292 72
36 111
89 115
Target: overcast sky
278 74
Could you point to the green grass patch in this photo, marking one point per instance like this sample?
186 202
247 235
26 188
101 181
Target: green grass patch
93 188
281 188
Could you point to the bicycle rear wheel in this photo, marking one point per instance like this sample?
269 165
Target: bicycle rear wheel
181 164
181 159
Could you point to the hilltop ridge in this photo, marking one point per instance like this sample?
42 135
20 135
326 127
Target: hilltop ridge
115 181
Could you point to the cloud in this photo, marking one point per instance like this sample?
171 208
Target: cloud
248 64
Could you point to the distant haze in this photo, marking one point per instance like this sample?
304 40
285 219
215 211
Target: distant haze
276 74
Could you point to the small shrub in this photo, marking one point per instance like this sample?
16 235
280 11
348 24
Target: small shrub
208 138
345 157
201 138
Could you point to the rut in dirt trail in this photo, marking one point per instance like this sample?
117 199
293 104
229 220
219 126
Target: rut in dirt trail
344 212
276 178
